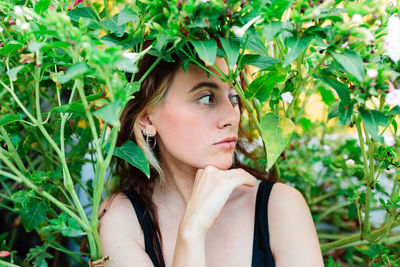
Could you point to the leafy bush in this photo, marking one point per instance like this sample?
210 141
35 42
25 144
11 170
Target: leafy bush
66 75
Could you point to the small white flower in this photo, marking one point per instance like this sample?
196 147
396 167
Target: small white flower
240 31
18 11
287 97
378 22
18 22
65 18
392 39
357 19
1 29
388 140
28 17
204 1
372 73
350 162
393 98
25 26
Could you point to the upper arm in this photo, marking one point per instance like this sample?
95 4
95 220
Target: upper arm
121 235
293 238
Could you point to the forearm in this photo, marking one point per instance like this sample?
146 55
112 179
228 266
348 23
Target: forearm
189 248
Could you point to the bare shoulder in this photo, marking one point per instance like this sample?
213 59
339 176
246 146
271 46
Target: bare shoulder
293 238
120 232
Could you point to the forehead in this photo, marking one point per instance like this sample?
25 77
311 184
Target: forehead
195 75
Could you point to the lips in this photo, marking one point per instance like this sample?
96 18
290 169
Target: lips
227 140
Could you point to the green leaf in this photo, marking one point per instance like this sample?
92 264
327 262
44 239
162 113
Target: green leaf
296 46
10 48
112 26
133 154
333 110
341 89
9 118
352 62
261 88
345 112
41 6
256 45
110 113
372 119
261 62
231 48
88 16
327 96
126 16
12 73
72 229
38 256
271 30
33 212
206 49
73 72
276 133
75 107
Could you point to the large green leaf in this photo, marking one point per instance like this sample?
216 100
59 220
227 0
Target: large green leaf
73 72
126 16
372 119
261 62
32 210
41 6
276 133
296 46
110 112
206 49
271 30
132 153
88 16
341 89
231 48
352 62
262 86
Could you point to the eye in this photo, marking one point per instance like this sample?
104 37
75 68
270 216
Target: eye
206 99
236 99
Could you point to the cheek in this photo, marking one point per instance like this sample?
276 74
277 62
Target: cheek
179 127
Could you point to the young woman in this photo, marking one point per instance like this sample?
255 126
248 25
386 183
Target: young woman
200 206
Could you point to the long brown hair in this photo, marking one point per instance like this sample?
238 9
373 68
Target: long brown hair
153 92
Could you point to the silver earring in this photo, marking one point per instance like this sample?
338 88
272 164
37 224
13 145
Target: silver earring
148 139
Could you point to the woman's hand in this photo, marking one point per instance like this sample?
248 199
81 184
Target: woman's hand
211 190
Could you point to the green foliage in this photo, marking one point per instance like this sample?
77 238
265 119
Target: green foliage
65 78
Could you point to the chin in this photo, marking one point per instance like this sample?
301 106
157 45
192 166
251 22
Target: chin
220 165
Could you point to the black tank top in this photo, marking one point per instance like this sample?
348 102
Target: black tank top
262 254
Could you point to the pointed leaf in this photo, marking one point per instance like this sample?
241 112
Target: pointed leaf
341 89
296 46
276 133
352 62
262 86
345 112
132 153
231 48
12 73
110 112
372 119
206 49
9 118
73 72
261 62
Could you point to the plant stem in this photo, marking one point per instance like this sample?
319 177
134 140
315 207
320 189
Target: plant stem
7 264
370 178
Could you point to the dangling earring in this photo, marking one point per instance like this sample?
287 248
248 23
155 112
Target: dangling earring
148 139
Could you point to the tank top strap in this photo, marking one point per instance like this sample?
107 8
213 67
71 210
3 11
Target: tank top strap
262 254
148 228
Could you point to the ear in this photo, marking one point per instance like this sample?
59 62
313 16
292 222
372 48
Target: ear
146 122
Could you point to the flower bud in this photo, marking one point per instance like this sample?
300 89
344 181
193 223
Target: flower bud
372 73
357 19
287 97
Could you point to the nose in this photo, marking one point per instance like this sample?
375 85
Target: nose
229 114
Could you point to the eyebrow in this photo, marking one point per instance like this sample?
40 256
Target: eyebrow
204 84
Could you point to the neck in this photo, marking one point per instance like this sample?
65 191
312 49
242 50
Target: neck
179 182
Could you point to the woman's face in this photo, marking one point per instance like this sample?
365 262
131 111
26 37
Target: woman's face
198 113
